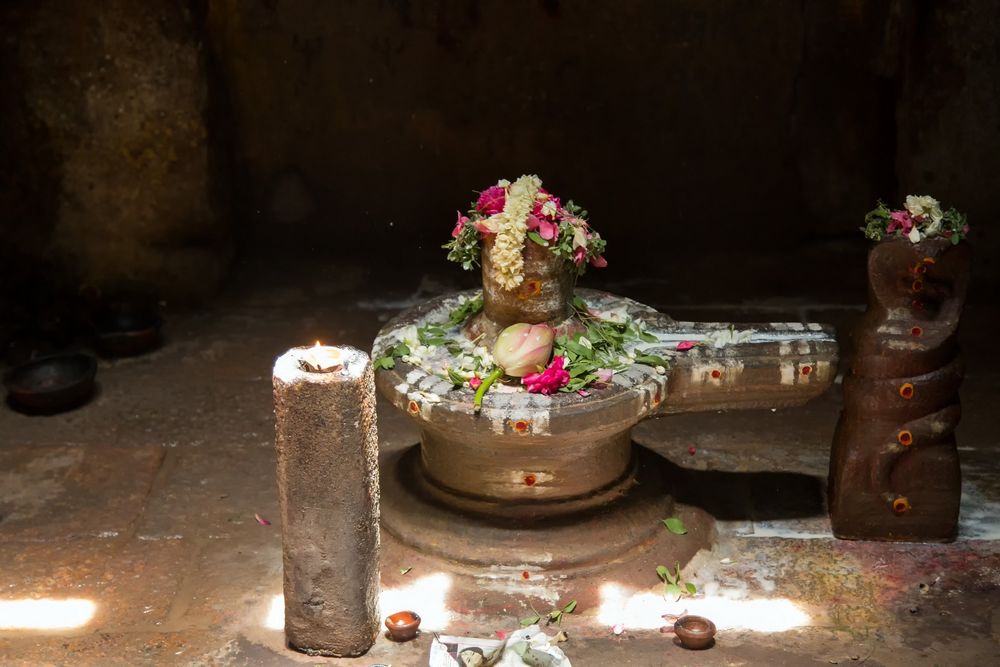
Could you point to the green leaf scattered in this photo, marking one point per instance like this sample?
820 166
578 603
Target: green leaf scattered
673 586
675 526
530 620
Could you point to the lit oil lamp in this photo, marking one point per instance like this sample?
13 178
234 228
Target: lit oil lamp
322 359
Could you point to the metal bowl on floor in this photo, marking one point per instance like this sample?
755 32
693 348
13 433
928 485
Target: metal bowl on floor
124 330
52 384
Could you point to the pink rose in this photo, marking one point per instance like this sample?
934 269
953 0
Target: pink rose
459 225
900 220
523 348
491 200
685 345
547 230
548 381
579 255
604 376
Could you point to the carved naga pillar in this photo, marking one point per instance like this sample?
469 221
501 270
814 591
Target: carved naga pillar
894 469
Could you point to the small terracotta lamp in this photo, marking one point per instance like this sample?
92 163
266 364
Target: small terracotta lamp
403 625
694 632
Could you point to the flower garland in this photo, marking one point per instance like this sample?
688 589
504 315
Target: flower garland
920 218
512 226
518 212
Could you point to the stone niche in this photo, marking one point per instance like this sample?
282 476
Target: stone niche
109 174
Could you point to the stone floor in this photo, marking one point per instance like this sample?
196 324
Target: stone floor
141 507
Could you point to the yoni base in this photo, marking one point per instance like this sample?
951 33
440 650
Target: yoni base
576 543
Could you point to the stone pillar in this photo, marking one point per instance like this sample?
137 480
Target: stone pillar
328 490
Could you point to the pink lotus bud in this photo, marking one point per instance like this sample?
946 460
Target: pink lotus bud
523 348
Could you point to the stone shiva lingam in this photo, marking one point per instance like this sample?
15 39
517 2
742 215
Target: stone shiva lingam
536 466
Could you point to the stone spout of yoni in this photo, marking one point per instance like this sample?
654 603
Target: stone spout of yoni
545 294
894 469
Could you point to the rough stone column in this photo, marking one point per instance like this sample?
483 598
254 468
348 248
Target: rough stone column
328 489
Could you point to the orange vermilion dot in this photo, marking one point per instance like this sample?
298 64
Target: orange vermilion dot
806 370
906 391
525 575
918 285
917 331
520 426
716 374
657 398
905 438
413 407
901 505
530 480
530 289
920 268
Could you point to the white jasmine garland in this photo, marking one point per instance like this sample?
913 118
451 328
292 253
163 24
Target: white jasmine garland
506 254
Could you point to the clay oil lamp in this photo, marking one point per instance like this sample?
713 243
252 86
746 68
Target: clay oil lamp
53 383
695 632
322 359
403 625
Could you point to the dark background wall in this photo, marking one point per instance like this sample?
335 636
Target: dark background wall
152 141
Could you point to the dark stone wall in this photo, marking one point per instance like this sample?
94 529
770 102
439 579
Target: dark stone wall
700 135
109 174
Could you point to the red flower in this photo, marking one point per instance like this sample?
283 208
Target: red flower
474 382
548 381
686 345
598 262
459 224
579 255
491 200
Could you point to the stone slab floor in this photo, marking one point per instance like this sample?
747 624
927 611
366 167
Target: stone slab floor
141 506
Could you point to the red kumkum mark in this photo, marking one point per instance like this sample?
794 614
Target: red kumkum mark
521 426
901 505
525 575
916 331
657 398
918 285
806 370
920 268
716 374
905 438
530 480
906 391
413 407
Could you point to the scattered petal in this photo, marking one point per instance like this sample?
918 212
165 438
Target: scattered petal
726 561
618 628
692 451
560 637
686 345
261 520
501 634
